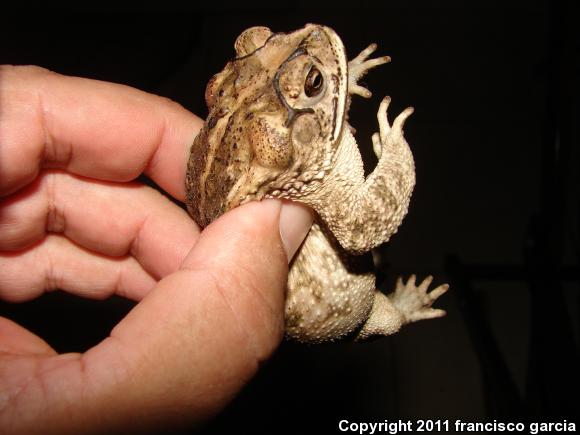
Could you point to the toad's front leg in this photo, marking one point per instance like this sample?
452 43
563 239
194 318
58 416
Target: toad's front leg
375 207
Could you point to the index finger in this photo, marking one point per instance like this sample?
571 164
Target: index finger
88 127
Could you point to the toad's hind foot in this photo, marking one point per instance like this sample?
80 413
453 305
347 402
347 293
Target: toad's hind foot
407 304
414 302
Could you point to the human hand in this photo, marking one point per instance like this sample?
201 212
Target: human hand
210 303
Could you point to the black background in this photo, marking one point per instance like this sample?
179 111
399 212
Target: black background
494 213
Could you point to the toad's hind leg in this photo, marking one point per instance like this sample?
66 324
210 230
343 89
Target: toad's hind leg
330 293
408 303
385 318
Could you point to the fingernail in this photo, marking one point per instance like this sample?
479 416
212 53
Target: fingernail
295 222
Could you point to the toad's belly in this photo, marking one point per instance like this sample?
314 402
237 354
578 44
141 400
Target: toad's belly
330 293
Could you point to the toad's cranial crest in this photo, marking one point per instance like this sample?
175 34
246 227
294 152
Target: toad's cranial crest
292 112
277 128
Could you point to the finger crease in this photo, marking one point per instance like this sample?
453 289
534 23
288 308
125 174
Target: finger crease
254 288
135 246
154 161
250 339
55 217
12 397
43 115
52 279
55 154
119 281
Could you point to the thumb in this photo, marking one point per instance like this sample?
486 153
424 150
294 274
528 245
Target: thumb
203 332
245 254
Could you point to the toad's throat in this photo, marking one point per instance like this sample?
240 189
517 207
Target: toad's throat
293 112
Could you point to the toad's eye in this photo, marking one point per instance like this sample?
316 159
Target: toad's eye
313 83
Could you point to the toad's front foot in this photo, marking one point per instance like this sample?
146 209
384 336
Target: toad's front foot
359 66
389 136
413 302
